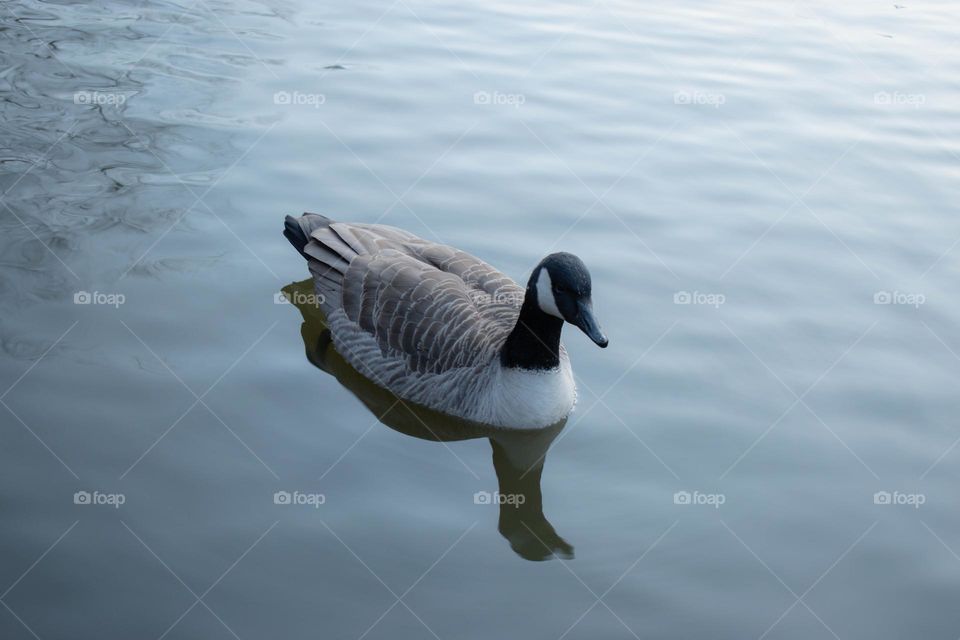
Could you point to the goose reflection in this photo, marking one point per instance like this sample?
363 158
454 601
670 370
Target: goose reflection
518 456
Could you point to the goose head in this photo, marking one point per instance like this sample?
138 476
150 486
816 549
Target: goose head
561 287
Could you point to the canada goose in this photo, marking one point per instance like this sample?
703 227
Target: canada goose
441 328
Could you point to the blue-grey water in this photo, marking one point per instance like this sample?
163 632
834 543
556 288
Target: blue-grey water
766 195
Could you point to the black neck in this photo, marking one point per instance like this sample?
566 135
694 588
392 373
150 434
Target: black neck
534 342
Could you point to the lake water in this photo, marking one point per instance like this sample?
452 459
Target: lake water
766 195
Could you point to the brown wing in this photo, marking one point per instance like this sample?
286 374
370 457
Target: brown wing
437 319
436 307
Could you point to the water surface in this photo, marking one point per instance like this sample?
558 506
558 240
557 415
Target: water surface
765 194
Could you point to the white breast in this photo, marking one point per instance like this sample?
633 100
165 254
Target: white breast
527 399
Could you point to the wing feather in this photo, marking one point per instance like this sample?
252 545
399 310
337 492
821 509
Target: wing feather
431 305
428 316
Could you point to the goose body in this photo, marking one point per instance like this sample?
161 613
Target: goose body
441 328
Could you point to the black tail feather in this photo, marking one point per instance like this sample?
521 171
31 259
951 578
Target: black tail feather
295 234
294 229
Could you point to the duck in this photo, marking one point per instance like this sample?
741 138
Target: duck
441 328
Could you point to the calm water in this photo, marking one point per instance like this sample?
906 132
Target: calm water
788 170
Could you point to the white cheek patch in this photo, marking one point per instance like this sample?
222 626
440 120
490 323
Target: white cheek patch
545 295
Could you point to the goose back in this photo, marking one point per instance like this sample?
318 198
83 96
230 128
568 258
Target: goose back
433 307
